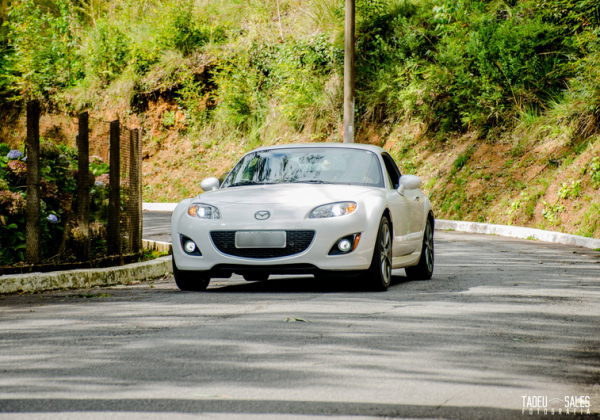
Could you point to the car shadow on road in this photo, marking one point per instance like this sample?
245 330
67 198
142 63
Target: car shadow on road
296 284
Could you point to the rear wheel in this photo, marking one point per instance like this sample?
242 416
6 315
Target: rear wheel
379 274
424 269
191 281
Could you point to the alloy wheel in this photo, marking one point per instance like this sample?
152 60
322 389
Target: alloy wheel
428 242
385 246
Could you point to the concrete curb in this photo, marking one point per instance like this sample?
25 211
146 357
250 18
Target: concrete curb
518 232
157 246
87 278
168 207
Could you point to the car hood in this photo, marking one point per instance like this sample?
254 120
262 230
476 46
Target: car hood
298 194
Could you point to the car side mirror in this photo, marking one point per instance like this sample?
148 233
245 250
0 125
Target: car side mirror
210 184
409 182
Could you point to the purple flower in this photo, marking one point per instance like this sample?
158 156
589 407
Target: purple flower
104 178
99 184
14 154
17 167
24 159
52 219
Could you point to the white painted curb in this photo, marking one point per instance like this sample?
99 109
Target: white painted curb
518 232
159 206
157 246
87 278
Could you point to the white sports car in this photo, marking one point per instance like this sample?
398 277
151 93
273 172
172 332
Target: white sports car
331 210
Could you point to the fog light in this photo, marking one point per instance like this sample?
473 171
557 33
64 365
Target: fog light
189 246
344 245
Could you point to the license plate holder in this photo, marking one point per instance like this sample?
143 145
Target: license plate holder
260 239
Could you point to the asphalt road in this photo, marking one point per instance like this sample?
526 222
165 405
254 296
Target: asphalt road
502 319
157 226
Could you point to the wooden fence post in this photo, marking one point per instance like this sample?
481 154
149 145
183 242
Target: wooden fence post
33 229
83 183
135 238
114 192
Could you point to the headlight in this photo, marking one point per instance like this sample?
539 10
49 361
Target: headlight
333 210
204 211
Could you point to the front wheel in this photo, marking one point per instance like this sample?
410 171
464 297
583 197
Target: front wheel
379 274
424 269
190 281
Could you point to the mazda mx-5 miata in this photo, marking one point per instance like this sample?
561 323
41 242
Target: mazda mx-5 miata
331 210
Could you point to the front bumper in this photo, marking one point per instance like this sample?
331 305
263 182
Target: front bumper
311 261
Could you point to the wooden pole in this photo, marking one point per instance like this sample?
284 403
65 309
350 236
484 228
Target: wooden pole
33 226
114 191
83 183
349 73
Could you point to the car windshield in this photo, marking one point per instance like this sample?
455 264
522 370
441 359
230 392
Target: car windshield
316 165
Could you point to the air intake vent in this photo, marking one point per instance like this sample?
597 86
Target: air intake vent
297 241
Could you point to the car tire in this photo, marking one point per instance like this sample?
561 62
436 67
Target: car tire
256 277
190 281
379 274
424 269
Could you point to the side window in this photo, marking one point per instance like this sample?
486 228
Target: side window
392 170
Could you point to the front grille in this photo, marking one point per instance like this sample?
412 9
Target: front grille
297 241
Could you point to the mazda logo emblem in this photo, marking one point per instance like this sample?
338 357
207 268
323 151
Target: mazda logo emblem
262 215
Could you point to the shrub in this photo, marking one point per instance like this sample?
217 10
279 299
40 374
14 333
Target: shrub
107 52
471 70
185 30
571 15
58 191
44 46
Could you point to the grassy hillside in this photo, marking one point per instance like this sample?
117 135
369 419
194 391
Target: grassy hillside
495 104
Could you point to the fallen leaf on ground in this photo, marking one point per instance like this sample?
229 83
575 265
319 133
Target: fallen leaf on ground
295 320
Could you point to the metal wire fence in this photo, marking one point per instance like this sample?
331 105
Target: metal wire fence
106 216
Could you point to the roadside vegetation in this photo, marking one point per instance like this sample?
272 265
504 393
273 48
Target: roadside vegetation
495 104
62 239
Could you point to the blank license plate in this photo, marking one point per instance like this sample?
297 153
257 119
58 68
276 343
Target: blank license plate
260 239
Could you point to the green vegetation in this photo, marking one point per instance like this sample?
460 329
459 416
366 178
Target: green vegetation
230 65
61 237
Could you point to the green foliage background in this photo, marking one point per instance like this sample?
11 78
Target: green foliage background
230 64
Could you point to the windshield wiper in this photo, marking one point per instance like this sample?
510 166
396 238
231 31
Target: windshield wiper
239 184
311 181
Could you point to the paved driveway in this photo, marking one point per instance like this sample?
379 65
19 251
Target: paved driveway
501 320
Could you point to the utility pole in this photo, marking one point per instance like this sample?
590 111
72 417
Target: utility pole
349 73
